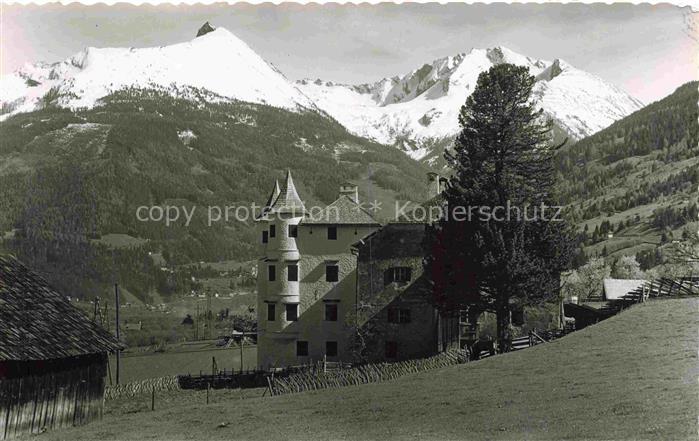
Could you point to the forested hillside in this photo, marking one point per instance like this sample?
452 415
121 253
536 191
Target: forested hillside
68 178
633 187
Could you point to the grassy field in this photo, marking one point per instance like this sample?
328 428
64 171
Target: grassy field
632 377
182 359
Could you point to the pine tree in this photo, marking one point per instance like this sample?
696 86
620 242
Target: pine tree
502 158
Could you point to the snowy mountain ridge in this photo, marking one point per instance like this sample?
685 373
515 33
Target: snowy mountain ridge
421 108
417 111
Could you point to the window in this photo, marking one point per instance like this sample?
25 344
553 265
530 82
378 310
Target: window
292 312
301 348
398 315
292 273
271 273
265 238
272 230
399 274
331 312
332 273
271 312
331 348
391 349
293 231
332 233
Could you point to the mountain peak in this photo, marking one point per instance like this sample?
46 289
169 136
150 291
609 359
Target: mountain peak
205 29
422 106
216 60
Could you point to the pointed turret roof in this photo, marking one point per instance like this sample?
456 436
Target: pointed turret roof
273 196
288 200
270 200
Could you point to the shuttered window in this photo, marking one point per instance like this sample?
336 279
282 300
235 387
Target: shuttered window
400 274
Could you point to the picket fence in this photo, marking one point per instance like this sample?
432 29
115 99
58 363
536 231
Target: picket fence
364 374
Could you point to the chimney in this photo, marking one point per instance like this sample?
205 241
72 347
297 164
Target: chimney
434 183
350 190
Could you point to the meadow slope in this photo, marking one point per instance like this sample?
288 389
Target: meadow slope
632 377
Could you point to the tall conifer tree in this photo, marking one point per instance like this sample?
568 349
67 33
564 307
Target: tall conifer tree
478 257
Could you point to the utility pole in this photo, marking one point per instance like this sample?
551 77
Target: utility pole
196 323
208 313
118 352
242 337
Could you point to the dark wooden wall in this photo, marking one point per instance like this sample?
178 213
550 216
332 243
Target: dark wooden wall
70 393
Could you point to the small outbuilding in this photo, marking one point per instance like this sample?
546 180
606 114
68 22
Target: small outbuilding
53 358
617 289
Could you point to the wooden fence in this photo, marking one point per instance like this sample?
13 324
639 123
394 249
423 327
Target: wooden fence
654 289
224 380
35 403
369 373
141 387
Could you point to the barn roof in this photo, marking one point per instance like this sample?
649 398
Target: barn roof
38 323
615 289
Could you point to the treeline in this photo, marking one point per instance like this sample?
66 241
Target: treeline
662 124
664 132
663 219
130 152
674 217
645 193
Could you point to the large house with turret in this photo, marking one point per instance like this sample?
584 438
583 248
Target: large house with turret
324 294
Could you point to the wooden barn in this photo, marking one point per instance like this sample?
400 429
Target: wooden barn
53 358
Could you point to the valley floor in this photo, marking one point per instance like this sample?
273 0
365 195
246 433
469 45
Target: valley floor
632 377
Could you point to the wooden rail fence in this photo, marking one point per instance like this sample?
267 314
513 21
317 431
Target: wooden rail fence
369 373
141 387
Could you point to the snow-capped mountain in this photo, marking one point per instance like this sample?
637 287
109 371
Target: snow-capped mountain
216 60
420 108
417 111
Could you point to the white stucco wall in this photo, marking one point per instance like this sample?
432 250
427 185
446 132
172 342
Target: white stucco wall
277 340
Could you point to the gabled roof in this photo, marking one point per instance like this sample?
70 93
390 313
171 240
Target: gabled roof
615 289
344 211
426 213
288 200
38 323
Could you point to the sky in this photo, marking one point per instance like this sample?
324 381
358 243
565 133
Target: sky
646 50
